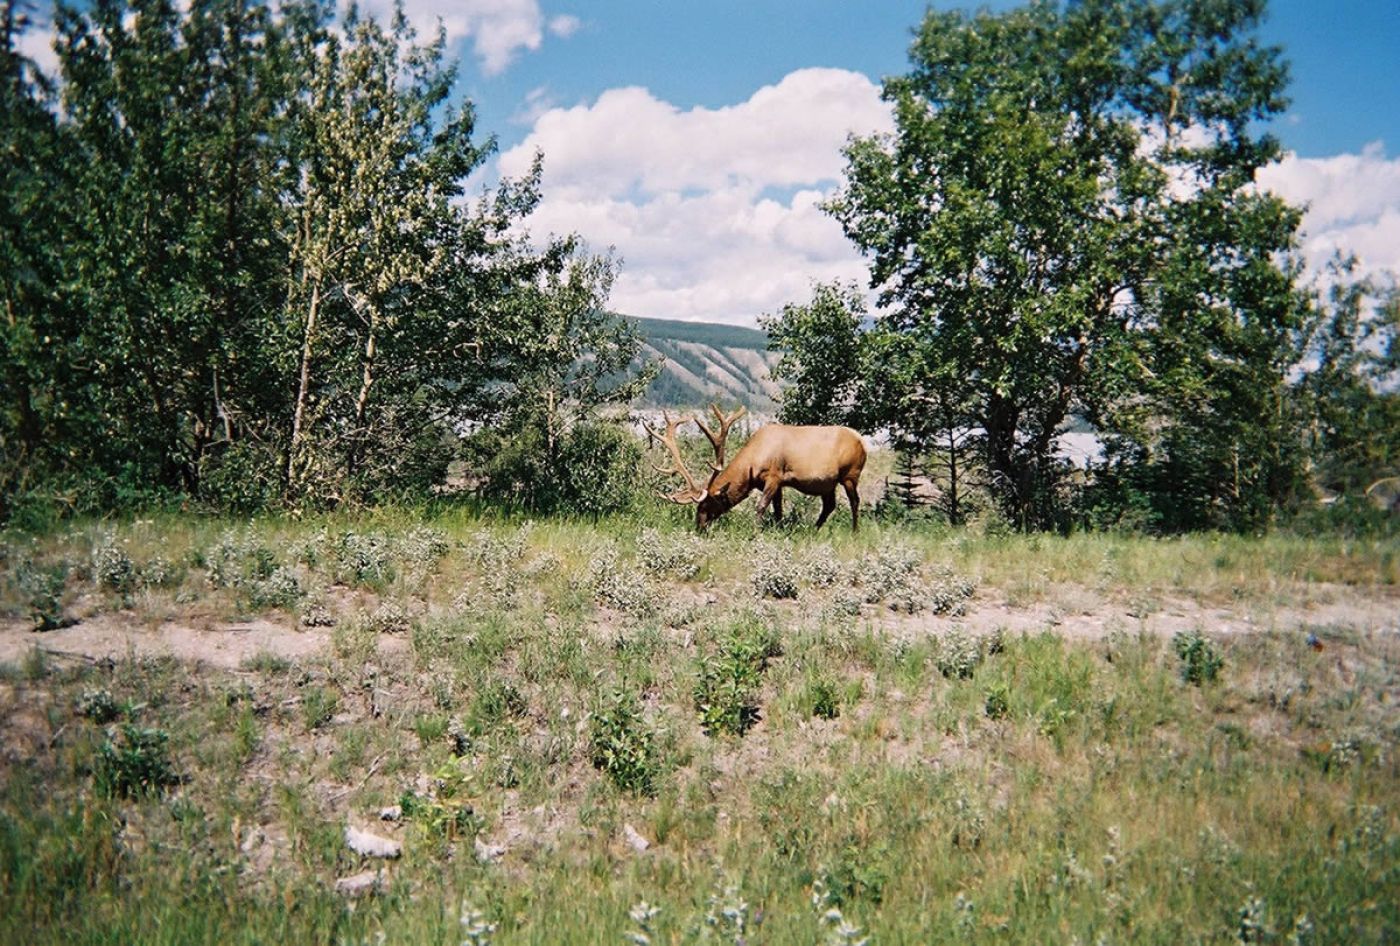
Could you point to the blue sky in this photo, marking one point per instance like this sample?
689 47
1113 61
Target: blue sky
1345 57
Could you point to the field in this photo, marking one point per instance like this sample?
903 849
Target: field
621 732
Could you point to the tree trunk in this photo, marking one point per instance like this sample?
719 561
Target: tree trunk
303 385
357 443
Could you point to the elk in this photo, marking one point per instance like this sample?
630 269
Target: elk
811 460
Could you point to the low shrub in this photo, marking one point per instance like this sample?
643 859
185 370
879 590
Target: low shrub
134 763
623 746
1200 661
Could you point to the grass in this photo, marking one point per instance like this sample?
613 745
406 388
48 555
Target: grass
855 757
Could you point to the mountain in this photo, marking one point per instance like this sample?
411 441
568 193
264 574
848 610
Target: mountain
705 362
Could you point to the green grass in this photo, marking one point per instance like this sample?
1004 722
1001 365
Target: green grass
931 784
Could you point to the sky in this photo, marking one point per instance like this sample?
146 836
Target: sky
696 141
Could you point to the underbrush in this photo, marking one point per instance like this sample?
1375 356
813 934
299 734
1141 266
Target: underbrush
582 733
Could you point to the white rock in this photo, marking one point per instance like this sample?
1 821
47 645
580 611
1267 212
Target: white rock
634 838
357 885
392 813
488 853
371 845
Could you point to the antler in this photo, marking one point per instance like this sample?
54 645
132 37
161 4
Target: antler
718 441
694 493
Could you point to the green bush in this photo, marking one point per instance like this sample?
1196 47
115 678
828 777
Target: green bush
42 589
243 478
1200 661
135 765
727 681
623 746
592 468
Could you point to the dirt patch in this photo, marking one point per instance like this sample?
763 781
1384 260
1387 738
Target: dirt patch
1085 615
1076 612
116 636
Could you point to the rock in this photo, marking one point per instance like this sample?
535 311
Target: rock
488 853
392 813
358 885
371 845
634 838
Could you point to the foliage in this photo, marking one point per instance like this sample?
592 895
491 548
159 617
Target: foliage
1200 661
590 468
1064 221
1348 395
821 355
134 763
238 265
623 745
42 588
727 680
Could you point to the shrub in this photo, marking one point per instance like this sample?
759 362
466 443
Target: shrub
623 746
280 589
956 654
997 704
363 558
726 686
1200 661
243 478
949 593
674 555
135 765
112 567
445 810
98 706
237 560
618 586
820 696
590 468
775 574
42 589
889 574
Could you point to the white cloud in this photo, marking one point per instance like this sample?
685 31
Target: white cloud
565 25
713 211
36 44
498 29
1352 201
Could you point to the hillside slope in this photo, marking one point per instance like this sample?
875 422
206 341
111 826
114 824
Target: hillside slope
705 362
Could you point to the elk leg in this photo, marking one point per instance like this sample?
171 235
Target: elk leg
854 497
828 504
778 506
770 491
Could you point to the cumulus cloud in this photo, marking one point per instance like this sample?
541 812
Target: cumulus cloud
497 29
713 211
1352 201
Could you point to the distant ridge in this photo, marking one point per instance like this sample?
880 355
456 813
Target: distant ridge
705 362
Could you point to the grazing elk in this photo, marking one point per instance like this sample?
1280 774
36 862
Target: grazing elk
811 460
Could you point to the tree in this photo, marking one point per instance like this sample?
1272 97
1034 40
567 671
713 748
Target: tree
169 254
238 262
1066 212
822 355
1348 393
32 408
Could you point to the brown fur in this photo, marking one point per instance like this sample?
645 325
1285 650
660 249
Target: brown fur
811 460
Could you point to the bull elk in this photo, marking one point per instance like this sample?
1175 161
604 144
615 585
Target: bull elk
811 460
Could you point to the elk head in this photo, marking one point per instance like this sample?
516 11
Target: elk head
710 502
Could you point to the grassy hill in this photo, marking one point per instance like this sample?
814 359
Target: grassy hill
705 362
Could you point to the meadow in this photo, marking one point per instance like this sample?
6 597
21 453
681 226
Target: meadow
619 731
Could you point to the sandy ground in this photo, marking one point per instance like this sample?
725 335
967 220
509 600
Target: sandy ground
1072 611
